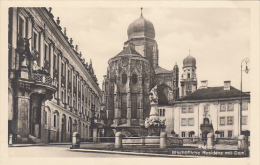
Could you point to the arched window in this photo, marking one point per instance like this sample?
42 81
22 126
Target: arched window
68 125
188 76
134 78
54 121
124 78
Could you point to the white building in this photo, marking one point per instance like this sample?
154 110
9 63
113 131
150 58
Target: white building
209 109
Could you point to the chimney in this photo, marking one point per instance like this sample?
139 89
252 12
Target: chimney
227 85
204 84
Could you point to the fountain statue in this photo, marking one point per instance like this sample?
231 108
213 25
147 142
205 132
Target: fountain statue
153 122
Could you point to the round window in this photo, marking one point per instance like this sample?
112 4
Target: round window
134 78
124 78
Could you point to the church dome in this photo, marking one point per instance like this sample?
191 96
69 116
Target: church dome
141 28
189 61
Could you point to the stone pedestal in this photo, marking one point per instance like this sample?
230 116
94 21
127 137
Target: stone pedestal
210 141
163 140
242 142
75 140
118 140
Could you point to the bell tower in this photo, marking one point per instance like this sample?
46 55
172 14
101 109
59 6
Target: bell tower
188 78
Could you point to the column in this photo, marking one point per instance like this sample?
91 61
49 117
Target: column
77 79
72 87
41 51
128 90
81 93
14 23
66 83
51 59
59 81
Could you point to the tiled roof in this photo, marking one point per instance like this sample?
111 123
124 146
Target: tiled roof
129 50
159 70
214 93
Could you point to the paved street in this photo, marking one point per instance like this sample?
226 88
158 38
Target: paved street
58 151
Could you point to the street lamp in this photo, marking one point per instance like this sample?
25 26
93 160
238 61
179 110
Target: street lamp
246 61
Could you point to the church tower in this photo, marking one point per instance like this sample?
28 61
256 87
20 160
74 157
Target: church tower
188 78
141 35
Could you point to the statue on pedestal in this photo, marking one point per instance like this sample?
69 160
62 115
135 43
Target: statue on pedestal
154 123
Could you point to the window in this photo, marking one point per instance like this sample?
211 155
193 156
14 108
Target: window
21 26
222 121
69 100
54 121
183 109
190 134
230 120
68 75
162 112
62 69
221 133
183 122
188 76
182 134
62 93
68 125
244 106
134 78
230 107
34 40
222 107
191 109
244 120
190 121
45 117
206 109
124 78
46 52
230 133
54 62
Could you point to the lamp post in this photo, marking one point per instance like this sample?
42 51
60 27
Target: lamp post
246 61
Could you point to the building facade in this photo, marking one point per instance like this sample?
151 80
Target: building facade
52 91
131 75
207 110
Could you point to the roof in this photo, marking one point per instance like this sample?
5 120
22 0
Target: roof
214 93
129 50
141 28
159 70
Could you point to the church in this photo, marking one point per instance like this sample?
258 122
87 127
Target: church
133 72
188 111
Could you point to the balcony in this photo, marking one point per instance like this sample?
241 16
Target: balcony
41 78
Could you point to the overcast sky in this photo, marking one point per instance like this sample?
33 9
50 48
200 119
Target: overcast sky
218 38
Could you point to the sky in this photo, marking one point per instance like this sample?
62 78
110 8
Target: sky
219 38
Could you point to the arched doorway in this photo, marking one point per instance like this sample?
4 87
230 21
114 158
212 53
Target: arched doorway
56 124
70 128
63 128
35 115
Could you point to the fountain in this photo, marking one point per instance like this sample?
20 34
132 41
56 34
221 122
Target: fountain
153 123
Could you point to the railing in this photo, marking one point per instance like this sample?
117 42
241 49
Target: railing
42 78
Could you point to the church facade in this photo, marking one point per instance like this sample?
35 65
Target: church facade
131 75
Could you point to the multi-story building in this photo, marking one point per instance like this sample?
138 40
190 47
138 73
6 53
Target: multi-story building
207 110
52 91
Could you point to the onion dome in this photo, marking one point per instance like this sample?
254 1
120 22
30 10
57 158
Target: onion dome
141 28
189 61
